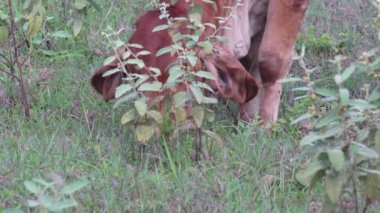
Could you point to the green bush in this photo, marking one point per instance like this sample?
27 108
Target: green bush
344 142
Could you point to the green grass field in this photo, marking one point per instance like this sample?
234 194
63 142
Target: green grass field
73 134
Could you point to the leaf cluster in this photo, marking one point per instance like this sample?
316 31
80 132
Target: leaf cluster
345 134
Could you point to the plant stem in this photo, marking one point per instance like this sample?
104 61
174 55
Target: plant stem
24 96
198 145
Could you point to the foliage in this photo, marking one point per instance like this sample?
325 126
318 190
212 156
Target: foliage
324 43
345 136
184 108
55 196
24 28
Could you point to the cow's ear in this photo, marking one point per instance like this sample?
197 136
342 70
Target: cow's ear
106 86
232 79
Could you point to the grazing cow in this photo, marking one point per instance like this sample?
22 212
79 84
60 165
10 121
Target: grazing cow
232 79
263 37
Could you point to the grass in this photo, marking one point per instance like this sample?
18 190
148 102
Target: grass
74 134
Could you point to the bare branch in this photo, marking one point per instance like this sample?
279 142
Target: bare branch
9 73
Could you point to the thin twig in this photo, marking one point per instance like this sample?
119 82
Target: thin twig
38 46
20 79
9 73
355 194
5 58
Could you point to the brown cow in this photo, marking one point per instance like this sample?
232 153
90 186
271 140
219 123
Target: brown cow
264 34
263 37
233 81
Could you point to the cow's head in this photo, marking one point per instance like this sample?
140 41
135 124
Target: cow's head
106 86
232 80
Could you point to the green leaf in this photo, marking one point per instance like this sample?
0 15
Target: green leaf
144 52
301 118
3 34
32 187
207 46
61 205
180 19
154 86
144 133
174 73
315 136
122 89
326 92
338 79
198 115
197 92
209 115
362 135
344 95
156 71
128 116
375 95
214 136
141 79
109 60
126 54
163 51
138 46
35 24
290 79
181 98
77 26
140 63
377 140
207 100
141 106
312 174
204 74
327 100
195 17
328 118
126 98
337 159
160 27
80 4
203 85
111 72
303 89
192 60
333 186
73 187
180 114
372 186
190 44
222 39
43 182
360 104
156 116
33 203
213 26
364 151
61 34
347 73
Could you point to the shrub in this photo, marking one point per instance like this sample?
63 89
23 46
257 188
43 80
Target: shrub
344 143
184 109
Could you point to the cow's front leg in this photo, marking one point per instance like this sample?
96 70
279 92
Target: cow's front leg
284 19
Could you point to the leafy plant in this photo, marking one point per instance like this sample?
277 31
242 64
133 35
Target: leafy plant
23 30
185 102
345 136
54 196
